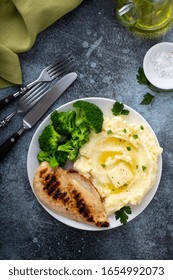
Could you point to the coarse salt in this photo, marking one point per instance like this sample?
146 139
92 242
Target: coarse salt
163 64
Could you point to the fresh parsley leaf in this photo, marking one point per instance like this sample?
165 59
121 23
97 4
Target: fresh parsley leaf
148 98
141 78
122 214
118 109
124 112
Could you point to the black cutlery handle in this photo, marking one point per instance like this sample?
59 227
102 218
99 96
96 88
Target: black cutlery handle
7 100
4 102
8 145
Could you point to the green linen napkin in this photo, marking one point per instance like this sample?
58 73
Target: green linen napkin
20 22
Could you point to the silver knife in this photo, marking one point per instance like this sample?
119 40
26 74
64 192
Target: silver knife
38 110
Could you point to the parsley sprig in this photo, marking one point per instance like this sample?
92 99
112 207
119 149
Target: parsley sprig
122 214
142 79
118 109
147 99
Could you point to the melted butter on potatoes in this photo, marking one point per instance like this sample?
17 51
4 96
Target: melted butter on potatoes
121 161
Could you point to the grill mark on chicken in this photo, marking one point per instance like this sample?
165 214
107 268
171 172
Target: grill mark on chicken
82 207
43 171
51 180
47 177
60 195
102 224
84 210
72 171
51 187
67 192
56 194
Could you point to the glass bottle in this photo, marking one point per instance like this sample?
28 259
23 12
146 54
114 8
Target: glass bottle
145 14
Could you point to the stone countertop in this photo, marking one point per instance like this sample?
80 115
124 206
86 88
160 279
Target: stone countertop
107 61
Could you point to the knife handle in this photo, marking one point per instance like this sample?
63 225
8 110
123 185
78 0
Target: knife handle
9 143
7 100
4 102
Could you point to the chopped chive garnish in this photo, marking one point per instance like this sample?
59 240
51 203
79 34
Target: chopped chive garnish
128 149
144 168
141 127
135 136
109 132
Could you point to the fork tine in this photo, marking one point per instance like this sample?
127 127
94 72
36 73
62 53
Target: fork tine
35 99
58 73
59 62
65 62
30 105
26 98
34 95
30 91
58 69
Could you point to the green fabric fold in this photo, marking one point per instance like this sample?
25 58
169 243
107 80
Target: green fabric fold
20 22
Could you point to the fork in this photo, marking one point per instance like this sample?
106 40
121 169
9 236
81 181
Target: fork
48 74
27 101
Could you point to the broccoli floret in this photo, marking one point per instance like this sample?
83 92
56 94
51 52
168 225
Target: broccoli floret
61 158
70 149
80 135
49 157
54 158
49 138
75 127
89 114
63 122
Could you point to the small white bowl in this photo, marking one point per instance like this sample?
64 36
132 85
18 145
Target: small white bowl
165 83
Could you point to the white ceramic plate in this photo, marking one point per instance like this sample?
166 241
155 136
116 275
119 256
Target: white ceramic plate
150 73
106 106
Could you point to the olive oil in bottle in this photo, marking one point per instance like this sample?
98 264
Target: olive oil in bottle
145 14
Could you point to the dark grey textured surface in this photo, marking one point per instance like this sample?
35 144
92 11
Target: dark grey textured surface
107 60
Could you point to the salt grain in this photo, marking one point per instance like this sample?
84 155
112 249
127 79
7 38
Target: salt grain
163 64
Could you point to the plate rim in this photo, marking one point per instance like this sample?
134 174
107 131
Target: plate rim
75 223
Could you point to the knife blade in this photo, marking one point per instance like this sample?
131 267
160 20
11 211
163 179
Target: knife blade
31 118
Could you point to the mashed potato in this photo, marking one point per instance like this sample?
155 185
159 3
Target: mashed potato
121 161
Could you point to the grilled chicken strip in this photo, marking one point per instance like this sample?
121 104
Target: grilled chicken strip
70 194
